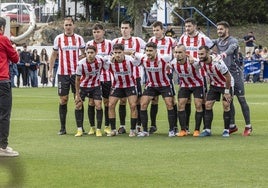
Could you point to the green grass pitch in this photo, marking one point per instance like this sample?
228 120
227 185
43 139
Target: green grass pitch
49 160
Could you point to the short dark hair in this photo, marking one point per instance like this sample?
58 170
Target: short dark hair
224 24
158 23
190 20
151 44
3 22
204 47
69 18
97 26
118 46
181 45
91 47
127 22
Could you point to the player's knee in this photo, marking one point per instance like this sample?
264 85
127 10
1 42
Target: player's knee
243 102
123 101
226 106
209 105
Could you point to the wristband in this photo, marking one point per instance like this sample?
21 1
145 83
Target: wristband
227 91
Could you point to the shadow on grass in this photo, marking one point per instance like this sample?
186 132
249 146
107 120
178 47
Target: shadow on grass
15 172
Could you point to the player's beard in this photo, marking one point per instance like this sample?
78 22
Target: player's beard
222 35
205 59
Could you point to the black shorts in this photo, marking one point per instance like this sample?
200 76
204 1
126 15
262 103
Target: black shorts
139 89
239 89
123 92
93 92
106 89
198 92
165 91
65 82
214 93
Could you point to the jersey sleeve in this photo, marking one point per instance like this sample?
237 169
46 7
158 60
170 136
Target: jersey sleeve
56 43
82 43
79 67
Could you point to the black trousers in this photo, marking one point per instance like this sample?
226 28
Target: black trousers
5 112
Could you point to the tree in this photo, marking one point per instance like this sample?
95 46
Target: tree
63 8
135 10
235 12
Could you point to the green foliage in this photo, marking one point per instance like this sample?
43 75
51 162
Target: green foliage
235 12
49 160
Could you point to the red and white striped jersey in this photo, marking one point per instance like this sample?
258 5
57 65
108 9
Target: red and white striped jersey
123 72
68 48
156 69
90 72
134 44
104 48
193 43
164 45
216 71
189 74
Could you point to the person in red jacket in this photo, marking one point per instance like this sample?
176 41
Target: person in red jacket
8 54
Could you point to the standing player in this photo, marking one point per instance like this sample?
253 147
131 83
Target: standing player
121 68
87 84
227 46
157 84
221 83
104 47
192 39
165 45
131 44
190 81
68 45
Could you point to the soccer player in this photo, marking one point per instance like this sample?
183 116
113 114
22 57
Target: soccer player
192 39
104 48
165 45
68 45
221 83
7 53
131 44
190 81
157 84
121 68
87 84
228 46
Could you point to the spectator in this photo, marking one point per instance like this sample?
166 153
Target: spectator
25 60
249 40
35 60
43 67
264 54
13 72
256 57
247 58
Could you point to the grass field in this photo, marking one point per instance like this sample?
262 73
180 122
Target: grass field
49 160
